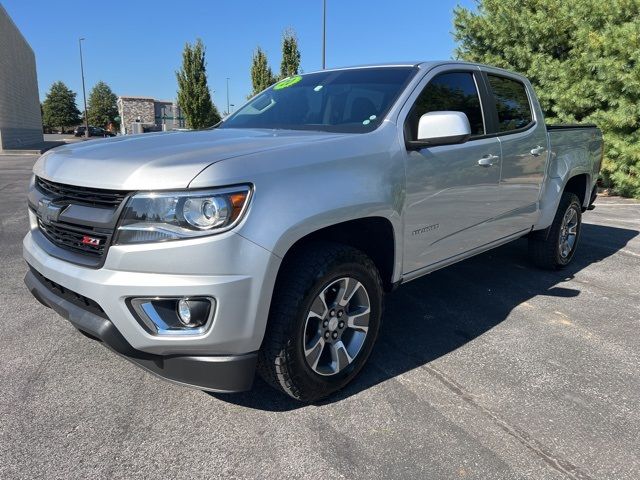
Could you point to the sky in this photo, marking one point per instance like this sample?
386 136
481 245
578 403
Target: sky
136 46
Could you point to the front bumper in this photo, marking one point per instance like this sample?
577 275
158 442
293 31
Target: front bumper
232 373
239 274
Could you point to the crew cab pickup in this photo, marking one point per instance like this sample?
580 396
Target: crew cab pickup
268 241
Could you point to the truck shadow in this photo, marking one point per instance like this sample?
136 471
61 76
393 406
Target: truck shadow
441 312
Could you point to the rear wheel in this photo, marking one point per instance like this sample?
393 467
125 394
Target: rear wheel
323 322
556 248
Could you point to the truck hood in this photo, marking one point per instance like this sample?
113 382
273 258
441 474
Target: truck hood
160 160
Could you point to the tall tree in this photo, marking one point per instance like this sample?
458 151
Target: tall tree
59 107
261 74
290 64
194 96
583 57
45 127
102 108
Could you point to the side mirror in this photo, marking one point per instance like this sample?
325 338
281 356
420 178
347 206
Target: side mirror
441 128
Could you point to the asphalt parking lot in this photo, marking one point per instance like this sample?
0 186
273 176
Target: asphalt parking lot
487 369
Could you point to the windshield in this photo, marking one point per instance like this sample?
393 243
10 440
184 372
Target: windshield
337 101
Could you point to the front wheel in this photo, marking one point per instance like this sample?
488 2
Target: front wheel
323 322
556 249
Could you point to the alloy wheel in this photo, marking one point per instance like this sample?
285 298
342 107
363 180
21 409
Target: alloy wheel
568 233
336 326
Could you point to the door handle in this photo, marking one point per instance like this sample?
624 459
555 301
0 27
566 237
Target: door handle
487 160
536 152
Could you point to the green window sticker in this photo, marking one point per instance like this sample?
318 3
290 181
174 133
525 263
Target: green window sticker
287 82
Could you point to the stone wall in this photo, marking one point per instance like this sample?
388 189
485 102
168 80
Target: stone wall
130 108
20 120
154 114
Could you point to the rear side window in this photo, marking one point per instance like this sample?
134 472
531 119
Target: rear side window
454 91
512 103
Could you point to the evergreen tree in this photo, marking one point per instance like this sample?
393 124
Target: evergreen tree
194 96
261 74
59 107
102 108
582 56
45 127
290 64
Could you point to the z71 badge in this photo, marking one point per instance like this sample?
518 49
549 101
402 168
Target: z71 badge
87 240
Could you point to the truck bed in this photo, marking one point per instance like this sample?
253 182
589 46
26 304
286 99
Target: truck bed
575 149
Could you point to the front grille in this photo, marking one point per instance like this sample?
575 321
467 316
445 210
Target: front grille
75 238
85 195
72 232
69 295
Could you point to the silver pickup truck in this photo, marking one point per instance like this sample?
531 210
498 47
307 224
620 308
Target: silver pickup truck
267 242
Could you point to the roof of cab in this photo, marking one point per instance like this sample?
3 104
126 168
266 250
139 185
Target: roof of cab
416 63
425 65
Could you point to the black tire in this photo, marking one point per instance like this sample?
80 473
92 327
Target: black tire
304 275
544 246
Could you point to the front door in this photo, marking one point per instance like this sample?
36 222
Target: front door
452 191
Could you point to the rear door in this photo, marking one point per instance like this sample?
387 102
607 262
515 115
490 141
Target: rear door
519 124
452 190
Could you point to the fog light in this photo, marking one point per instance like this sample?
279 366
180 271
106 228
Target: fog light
184 312
174 316
193 312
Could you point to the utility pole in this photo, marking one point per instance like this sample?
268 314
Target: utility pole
84 93
228 112
324 32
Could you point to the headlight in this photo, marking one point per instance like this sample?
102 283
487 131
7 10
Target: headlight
159 216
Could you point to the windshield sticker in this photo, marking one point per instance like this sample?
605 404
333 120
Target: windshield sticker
287 82
366 122
318 88
372 117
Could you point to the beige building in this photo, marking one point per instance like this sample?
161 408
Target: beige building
20 119
145 114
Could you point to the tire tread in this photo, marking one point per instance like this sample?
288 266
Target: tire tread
276 360
542 244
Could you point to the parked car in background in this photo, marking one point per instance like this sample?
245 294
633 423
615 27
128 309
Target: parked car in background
93 132
270 240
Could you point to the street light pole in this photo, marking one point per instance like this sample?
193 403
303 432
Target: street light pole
228 112
84 93
324 31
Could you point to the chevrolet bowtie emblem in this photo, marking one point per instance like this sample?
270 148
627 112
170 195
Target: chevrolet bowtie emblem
48 212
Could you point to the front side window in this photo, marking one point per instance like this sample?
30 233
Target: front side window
455 92
351 101
512 103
